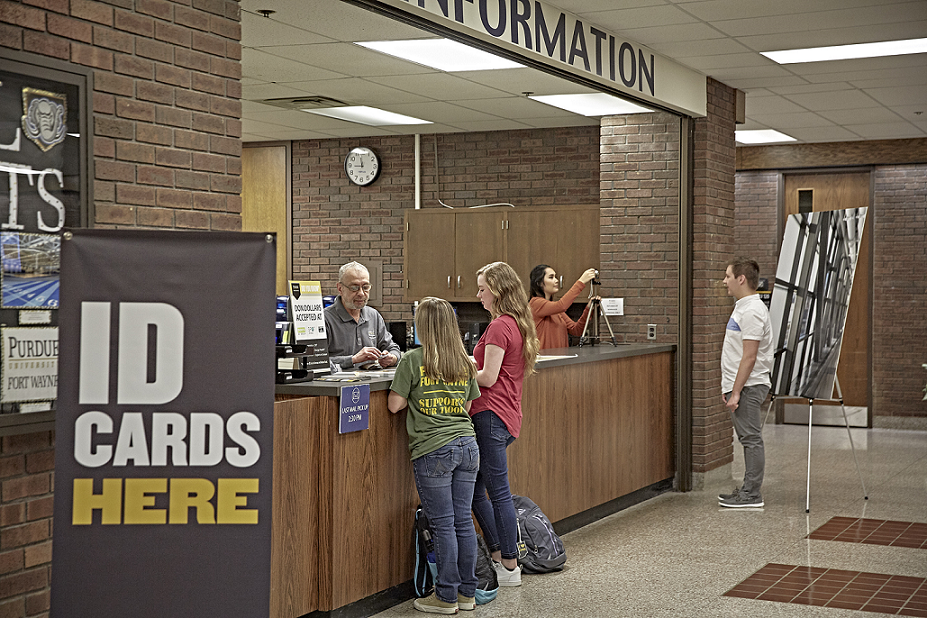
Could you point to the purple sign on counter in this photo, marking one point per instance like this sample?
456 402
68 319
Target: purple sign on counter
354 409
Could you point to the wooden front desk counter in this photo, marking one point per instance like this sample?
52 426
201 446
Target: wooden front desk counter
596 427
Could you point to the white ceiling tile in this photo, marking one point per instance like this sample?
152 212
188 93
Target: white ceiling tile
800 120
885 130
558 121
718 10
441 111
259 92
441 85
358 91
705 47
521 108
518 81
666 34
348 57
494 125
643 17
805 88
267 67
839 18
711 64
770 105
913 95
824 134
869 115
257 31
842 99
800 38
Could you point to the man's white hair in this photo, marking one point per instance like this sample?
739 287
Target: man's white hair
351 266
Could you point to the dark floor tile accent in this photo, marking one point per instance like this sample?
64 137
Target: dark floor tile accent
856 590
873 532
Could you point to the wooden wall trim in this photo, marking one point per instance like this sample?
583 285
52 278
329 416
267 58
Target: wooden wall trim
871 152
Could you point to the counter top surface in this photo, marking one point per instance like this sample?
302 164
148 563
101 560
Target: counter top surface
548 358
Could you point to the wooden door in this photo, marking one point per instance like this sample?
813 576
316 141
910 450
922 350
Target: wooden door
480 240
429 254
264 200
836 191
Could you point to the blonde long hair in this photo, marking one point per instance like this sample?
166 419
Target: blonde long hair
510 299
444 356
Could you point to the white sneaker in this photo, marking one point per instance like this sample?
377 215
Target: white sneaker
506 577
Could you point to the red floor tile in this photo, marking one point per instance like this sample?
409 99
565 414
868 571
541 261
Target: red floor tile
873 532
838 588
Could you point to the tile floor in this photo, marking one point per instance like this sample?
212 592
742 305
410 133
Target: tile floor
678 554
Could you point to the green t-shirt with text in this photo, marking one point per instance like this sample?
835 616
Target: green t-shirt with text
437 412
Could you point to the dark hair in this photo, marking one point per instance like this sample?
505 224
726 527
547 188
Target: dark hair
748 268
536 279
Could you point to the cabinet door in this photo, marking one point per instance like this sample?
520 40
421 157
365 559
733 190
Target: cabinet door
429 248
577 244
529 242
480 240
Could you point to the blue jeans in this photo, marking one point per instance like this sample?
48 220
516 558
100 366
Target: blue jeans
445 478
496 515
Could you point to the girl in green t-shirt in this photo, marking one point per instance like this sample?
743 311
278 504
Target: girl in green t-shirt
437 382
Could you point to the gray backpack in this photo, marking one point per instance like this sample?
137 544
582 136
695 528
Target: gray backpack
540 549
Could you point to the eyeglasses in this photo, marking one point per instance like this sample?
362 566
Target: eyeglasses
358 288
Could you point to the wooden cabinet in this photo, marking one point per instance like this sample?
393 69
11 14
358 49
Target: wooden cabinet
444 248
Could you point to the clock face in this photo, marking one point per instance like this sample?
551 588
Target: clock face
362 166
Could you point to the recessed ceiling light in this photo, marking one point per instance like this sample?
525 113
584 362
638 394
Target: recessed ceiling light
848 52
762 136
362 114
596 104
442 54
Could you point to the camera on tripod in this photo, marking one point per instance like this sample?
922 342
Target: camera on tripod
595 312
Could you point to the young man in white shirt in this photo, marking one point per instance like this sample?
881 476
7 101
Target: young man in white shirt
746 363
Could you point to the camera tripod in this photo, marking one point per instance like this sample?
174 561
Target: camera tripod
595 310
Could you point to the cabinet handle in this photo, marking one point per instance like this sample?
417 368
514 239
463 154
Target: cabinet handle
458 282
448 282
561 281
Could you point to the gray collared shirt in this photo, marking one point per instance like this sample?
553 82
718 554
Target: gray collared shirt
347 337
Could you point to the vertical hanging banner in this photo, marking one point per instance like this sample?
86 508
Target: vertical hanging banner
164 425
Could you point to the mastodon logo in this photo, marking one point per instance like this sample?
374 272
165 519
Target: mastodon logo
44 115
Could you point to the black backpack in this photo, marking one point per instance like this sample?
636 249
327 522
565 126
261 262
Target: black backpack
541 550
423 579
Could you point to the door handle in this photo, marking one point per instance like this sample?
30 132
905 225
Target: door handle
458 282
448 282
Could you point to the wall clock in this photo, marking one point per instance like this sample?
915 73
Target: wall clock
362 165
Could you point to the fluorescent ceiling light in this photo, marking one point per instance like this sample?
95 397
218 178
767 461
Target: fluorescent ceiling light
763 136
366 115
849 52
442 54
596 104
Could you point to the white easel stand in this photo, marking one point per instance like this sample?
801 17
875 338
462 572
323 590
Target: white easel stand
852 447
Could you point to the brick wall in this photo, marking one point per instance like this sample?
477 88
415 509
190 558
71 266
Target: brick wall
899 275
335 221
166 108
756 232
639 180
27 465
713 225
167 154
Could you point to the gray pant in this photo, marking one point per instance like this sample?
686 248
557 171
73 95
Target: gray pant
748 423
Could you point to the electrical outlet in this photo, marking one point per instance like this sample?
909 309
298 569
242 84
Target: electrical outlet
651 331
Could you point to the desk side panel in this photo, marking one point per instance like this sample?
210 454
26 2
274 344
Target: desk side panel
294 548
594 432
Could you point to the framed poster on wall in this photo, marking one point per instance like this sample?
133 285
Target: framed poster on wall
45 170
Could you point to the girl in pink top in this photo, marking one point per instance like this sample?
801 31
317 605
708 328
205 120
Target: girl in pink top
504 356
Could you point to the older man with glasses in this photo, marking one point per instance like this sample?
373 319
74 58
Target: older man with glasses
357 335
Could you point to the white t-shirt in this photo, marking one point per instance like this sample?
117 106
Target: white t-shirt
749 320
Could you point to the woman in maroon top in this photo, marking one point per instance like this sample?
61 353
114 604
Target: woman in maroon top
504 356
